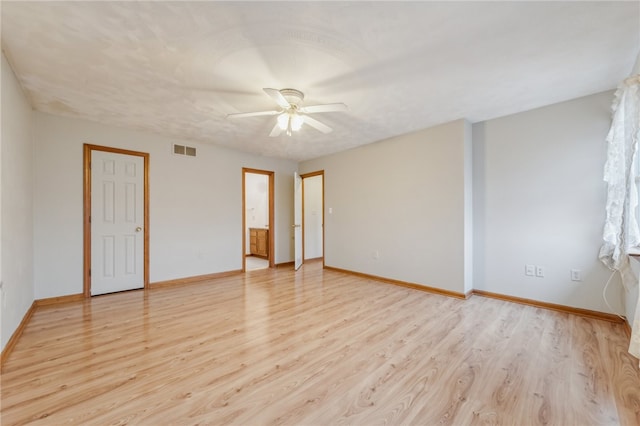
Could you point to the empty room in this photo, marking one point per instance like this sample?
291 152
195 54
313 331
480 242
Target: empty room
317 213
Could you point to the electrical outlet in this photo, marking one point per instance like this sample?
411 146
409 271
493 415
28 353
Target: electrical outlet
530 270
576 275
540 271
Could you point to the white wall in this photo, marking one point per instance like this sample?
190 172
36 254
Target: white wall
539 199
312 189
256 203
402 199
16 241
195 204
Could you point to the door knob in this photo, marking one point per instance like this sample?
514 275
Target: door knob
138 229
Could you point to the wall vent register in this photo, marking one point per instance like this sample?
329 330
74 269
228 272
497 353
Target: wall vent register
189 151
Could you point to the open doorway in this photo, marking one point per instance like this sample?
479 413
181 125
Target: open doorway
257 219
313 216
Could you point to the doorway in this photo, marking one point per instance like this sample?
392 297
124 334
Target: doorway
116 218
257 219
313 216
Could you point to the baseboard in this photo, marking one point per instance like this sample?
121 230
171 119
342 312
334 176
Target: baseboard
401 283
16 334
193 279
313 259
60 299
552 306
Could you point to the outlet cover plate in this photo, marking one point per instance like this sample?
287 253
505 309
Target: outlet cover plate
530 270
576 275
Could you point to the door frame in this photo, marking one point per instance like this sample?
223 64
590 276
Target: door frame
87 149
272 238
304 176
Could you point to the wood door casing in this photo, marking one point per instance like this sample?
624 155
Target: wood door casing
271 239
87 149
305 176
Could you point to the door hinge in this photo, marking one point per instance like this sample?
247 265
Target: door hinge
89 271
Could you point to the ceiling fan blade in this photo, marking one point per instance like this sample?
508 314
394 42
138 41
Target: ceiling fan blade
277 96
316 124
251 114
275 131
324 108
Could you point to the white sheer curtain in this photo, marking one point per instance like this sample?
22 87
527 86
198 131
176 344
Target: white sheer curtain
621 230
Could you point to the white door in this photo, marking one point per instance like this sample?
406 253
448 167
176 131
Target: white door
117 221
312 217
297 220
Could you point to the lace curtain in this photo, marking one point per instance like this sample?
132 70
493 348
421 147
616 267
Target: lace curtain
621 227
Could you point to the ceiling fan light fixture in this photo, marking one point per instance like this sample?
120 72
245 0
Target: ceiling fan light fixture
292 115
296 122
283 121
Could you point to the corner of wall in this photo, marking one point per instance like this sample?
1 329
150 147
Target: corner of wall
468 206
478 146
542 203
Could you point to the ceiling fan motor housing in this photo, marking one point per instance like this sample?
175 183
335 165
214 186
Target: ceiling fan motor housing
293 96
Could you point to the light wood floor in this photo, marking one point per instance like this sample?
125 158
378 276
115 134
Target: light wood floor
253 263
315 348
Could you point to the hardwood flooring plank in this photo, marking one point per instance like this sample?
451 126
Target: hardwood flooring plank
552 383
314 347
417 391
589 375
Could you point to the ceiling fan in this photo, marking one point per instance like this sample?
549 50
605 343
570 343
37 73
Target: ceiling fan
292 114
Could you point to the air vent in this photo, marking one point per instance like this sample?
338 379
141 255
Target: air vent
189 151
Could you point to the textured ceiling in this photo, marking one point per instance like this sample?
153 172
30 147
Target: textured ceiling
177 68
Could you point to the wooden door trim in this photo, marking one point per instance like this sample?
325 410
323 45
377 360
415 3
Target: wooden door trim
303 177
272 236
312 174
302 218
87 148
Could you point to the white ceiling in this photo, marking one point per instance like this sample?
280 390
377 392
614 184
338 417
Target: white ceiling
177 68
